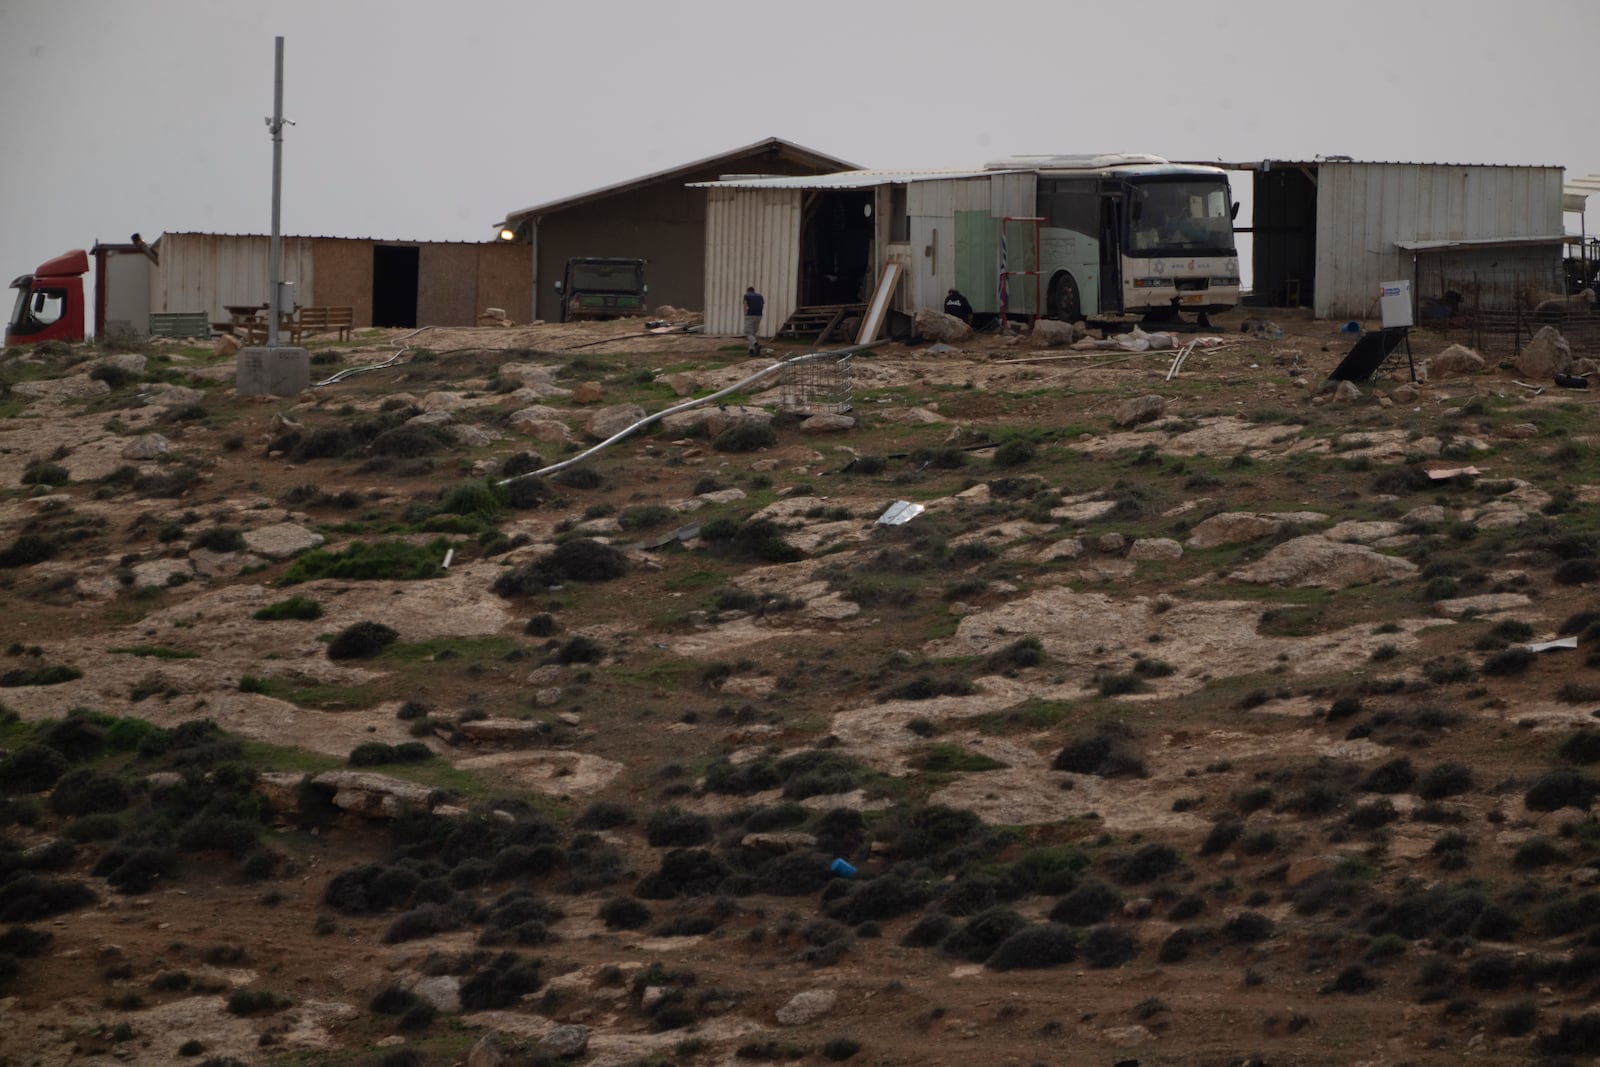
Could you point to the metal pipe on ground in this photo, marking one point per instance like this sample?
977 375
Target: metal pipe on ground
761 375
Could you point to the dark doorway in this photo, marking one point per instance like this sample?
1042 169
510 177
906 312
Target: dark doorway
394 285
836 248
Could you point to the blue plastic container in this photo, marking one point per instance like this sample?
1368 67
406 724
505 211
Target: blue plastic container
841 868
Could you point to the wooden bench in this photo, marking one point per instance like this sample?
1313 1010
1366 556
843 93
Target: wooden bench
308 320
180 324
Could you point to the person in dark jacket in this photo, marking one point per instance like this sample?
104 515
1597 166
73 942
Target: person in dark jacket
754 305
958 305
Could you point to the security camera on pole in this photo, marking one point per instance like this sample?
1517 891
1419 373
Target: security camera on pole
275 370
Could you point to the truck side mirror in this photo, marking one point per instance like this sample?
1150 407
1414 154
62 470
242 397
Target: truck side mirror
558 286
1233 212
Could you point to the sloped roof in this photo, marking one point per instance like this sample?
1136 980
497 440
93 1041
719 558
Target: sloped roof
776 146
1576 192
845 179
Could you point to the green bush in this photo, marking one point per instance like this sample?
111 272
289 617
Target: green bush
1035 947
84 791
296 607
374 561
33 768
362 640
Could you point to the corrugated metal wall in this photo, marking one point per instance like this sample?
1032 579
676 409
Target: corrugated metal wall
933 207
206 272
1364 208
752 238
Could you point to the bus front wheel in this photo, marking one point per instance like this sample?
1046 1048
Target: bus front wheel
1065 303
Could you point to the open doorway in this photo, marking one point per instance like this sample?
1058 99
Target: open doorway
394 285
836 233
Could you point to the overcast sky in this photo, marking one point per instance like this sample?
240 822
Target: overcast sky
430 121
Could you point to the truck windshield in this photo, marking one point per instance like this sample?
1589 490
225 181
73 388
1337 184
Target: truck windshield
605 277
37 308
1181 217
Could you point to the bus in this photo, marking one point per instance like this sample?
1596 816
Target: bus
1124 234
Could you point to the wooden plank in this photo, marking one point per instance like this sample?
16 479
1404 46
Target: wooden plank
878 308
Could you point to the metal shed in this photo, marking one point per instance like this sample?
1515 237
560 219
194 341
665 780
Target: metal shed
1327 232
825 239
387 283
656 217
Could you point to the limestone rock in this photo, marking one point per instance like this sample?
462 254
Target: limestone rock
1155 548
607 422
1053 333
827 423
562 1042
146 446
1457 359
931 325
1138 409
1547 355
281 540
1231 528
813 1003
1315 561
588 393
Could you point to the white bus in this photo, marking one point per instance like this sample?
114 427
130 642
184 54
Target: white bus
1121 234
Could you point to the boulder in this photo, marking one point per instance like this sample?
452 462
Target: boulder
1139 409
1053 333
588 393
146 447
813 1003
1313 561
933 325
1457 359
608 422
562 1042
827 423
281 540
1231 528
1547 355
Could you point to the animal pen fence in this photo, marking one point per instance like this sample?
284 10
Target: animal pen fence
816 387
1496 311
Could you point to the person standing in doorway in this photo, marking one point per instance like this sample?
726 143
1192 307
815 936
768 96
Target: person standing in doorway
753 307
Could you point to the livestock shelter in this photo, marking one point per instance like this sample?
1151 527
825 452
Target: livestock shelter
824 240
656 217
398 284
1327 232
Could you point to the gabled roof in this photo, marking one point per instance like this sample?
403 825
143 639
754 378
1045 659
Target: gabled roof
776 146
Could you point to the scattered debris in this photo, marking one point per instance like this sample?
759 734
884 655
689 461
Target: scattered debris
1552 646
1440 474
899 513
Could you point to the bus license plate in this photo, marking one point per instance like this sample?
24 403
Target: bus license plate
1194 298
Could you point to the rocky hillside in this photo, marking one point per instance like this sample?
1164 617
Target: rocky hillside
973 702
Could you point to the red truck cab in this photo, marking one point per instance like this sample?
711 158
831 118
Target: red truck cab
49 303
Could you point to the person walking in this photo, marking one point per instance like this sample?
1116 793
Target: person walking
753 307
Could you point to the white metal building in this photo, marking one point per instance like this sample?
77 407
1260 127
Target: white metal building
824 239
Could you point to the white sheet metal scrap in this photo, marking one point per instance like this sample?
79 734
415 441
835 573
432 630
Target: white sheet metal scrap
899 513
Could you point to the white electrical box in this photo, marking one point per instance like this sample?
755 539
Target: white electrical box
1394 300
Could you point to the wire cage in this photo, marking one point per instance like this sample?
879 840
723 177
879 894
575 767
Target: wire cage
816 387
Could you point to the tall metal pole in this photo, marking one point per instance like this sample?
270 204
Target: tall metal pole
275 124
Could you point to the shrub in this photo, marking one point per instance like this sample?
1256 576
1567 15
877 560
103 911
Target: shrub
502 982
977 939
1511 661
1558 789
1248 928
376 560
1109 946
362 640
1223 833
745 435
1033 947
33 768
1353 979
877 899
220 539
135 869
1091 902
684 872
1581 746
31 897
624 913
1150 862
1108 752
840 1049
84 791
296 607
1444 780
256 1002
675 828
1396 776
603 815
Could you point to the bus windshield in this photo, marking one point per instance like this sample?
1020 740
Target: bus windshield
1180 217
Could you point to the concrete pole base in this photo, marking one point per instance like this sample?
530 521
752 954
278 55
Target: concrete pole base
273 371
